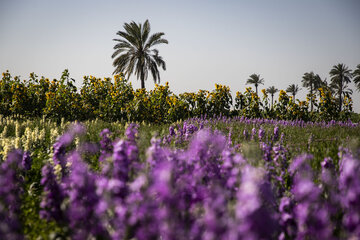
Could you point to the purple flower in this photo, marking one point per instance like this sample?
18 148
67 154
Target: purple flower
261 134
266 148
300 164
83 216
131 132
53 196
246 134
276 133
26 161
287 220
312 215
349 185
171 131
10 191
282 138
253 133
121 166
254 208
105 144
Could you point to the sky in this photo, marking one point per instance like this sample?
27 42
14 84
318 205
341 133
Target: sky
210 41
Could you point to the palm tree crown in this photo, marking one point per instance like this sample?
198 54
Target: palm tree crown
311 82
134 52
293 89
340 77
256 80
356 75
272 90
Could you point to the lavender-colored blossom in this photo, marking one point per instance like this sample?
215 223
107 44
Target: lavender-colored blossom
313 217
131 132
83 201
26 161
246 134
216 216
106 146
59 153
254 208
261 134
53 196
287 220
253 133
171 131
10 192
349 184
266 148
156 153
229 141
282 138
276 133
121 166
300 164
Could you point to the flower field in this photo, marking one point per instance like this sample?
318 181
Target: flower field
219 178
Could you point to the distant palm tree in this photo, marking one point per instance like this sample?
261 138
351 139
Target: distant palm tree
256 80
134 52
293 89
356 75
311 82
272 90
320 83
340 77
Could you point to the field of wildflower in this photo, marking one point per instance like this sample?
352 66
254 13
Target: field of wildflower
203 178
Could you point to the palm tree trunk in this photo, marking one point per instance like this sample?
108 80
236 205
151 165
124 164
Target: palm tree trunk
311 98
294 97
142 78
142 83
256 89
340 92
340 100
272 100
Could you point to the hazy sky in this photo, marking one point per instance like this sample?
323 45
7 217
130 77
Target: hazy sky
209 41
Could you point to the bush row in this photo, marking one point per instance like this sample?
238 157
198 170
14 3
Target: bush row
115 99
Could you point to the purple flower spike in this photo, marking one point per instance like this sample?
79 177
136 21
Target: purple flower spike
10 192
253 133
261 134
84 220
287 220
246 134
53 196
131 132
253 210
26 161
276 133
171 131
105 144
349 184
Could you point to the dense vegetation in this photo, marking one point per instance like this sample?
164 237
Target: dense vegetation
216 178
116 100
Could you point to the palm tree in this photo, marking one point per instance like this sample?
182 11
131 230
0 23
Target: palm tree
134 52
256 80
340 77
356 75
272 90
311 82
320 83
293 89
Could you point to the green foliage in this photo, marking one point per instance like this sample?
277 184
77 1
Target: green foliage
62 99
116 100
